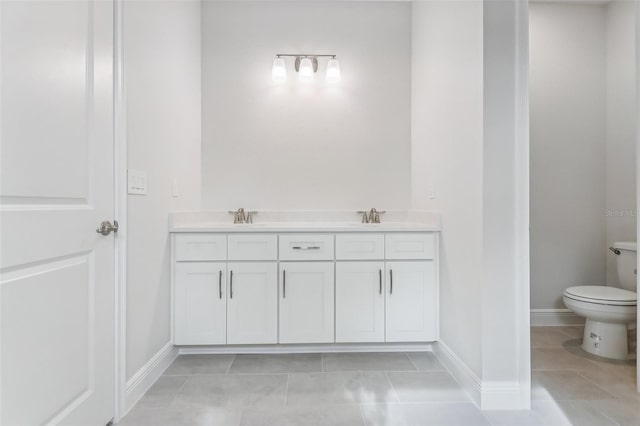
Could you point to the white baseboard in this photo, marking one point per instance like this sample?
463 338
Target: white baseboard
485 395
469 380
307 348
140 383
504 396
554 317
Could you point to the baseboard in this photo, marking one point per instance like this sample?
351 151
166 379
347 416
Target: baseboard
504 396
469 380
485 395
140 383
307 348
554 317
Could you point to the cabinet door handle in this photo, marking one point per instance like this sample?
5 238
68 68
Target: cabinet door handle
220 285
231 285
391 281
380 279
284 284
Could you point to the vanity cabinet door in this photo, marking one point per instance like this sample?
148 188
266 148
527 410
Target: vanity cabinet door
252 303
306 302
360 294
411 302
200 304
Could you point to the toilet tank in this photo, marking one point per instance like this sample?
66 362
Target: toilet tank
626 264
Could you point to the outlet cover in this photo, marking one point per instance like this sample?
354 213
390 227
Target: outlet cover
136 182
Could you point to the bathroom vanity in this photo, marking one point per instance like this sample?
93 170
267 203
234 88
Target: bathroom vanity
304 283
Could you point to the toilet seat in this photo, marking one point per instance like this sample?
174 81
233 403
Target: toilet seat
602 295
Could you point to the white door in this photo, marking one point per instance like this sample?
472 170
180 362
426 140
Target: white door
56 186
306 302
360 294
200 303
252 303
411 302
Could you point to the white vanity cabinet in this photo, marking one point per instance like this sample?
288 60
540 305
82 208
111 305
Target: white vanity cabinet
306 302
200 303
411 302
360 294
250 288
252 303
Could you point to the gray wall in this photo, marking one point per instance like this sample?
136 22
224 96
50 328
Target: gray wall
162 77
621 127
306 146
582 144
447 158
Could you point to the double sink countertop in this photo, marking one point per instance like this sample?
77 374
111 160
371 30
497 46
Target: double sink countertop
304 221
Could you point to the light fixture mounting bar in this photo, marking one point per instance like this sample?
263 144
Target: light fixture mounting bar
299 56
304 55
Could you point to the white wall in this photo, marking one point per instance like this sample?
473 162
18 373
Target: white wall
162 77
568 130
447 102
506 375
295 146
621 127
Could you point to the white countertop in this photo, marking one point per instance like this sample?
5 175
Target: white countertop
303 222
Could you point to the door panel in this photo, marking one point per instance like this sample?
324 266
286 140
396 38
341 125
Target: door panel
360 299
200 303
411 302
306 302
252 303
56 174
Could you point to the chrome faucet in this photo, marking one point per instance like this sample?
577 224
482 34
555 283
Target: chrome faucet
365 216
239 215
371 216
374 215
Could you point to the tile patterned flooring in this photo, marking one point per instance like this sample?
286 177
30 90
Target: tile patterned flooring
381 389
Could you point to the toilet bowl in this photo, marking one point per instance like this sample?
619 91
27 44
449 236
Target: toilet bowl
608 310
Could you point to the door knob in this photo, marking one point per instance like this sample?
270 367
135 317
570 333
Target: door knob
106 227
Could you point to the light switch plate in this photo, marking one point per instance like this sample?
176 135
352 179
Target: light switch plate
136 182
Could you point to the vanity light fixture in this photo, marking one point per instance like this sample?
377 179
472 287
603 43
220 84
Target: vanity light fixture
306 69
279 70
333 71
306 66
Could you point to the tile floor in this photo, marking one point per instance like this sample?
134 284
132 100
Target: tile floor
381 389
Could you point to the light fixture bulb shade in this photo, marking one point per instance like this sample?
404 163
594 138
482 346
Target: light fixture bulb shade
333 71
279 70
306 70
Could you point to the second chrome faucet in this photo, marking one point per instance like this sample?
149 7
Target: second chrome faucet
240 216
371 216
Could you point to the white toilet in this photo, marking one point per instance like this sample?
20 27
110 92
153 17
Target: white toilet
608 310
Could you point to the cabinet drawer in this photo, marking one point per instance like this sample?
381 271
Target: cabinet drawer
200 247
306 247
359 246
410 246
253 247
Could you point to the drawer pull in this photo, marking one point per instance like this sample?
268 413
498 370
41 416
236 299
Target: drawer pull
306 248
220 285
231 285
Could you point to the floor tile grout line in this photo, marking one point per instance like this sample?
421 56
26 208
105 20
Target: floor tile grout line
364 420
173 397
386 375
607 417
286 391
596 384
411 361
231 363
